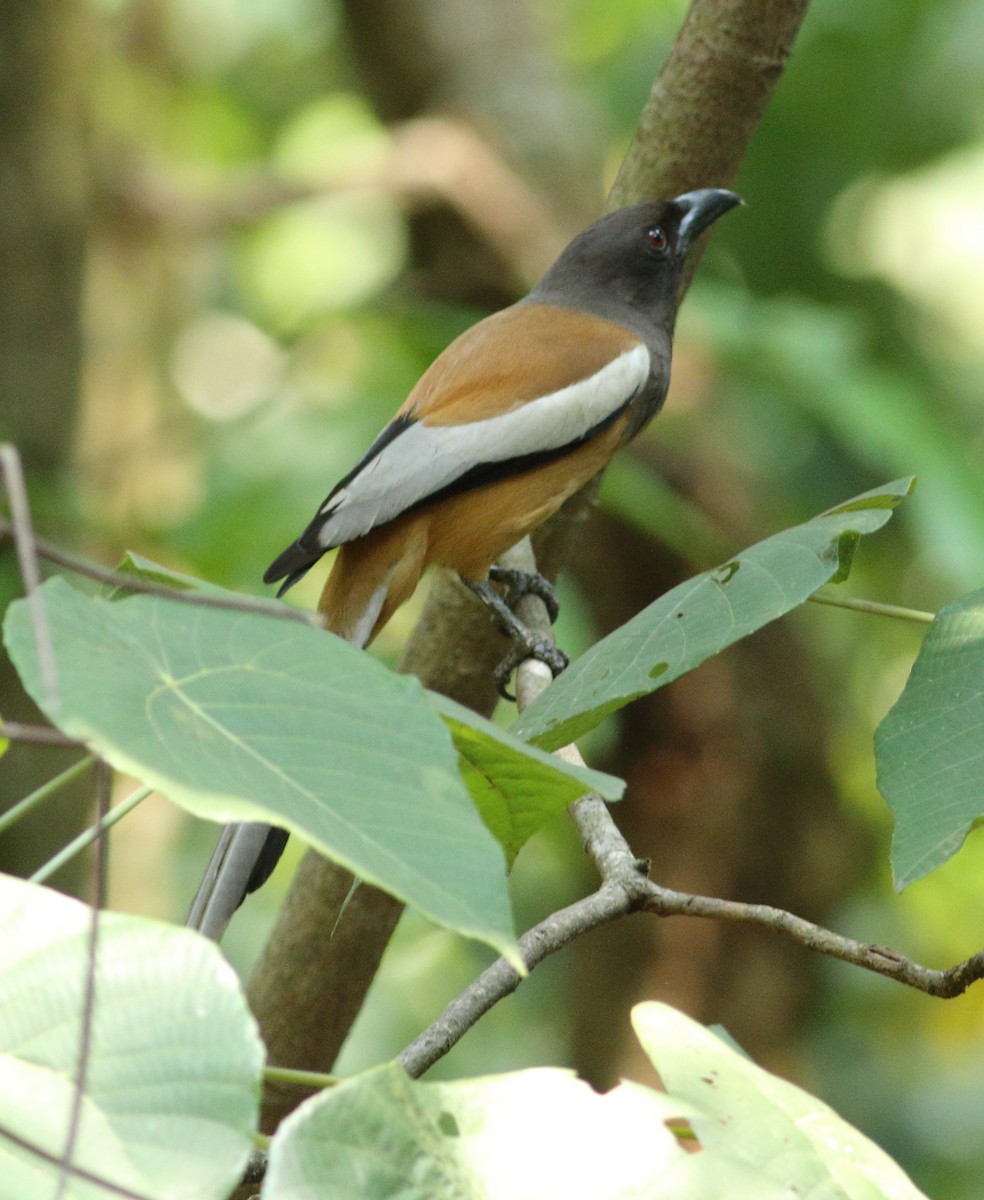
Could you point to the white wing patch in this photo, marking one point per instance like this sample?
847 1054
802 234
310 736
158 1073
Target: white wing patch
426 458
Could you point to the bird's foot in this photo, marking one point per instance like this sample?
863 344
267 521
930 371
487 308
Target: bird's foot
534 647
527 643
526 583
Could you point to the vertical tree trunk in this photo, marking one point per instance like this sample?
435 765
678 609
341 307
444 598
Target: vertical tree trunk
43 217
43 220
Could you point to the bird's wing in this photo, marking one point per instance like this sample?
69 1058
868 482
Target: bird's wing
519 388
514 386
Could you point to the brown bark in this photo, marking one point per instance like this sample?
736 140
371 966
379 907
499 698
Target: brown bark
488 64
484 64
418 58
43 226
325 929
709 97
43 220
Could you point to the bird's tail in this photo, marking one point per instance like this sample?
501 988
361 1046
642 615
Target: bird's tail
369 580
242 860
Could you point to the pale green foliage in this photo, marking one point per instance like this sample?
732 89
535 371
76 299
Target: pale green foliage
544 1133
173 1066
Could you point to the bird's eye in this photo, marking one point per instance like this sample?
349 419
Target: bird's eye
657 241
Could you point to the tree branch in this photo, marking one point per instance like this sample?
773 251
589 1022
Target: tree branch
27 559
135 583
626 889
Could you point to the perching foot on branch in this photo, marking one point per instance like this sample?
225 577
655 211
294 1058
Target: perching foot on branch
526 583
526 643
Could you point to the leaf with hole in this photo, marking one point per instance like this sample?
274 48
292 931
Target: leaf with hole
723 1128
778 1140
701 617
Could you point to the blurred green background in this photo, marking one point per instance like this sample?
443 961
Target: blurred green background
238 230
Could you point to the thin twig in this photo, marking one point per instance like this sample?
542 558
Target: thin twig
190 595
98 1181
877 607
883 960
625 889
103 779
501 979
41 735
23 807
623 893
22 530
88 836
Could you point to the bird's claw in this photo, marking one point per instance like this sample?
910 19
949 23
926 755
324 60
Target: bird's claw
526 583
527 643
531 646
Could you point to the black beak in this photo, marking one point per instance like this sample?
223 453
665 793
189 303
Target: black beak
700 210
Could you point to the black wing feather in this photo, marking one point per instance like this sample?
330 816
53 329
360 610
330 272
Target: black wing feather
299 557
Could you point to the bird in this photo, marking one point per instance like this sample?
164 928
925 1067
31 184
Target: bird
515 416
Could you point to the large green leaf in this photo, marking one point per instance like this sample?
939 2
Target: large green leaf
543 1133
930 747
792 1143
243 717
173 1075
699 618
529 1135
516 787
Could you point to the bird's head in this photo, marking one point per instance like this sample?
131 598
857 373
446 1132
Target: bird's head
632 259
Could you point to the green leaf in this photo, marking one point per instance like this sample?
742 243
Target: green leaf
529 1135
243 717
543 1133
750 1121
147 570
700 618
173 1077
929 749
516 787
